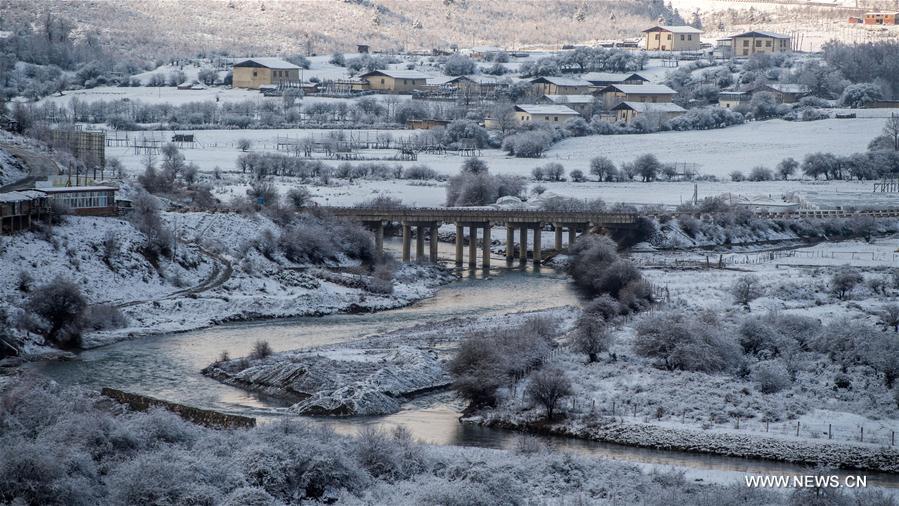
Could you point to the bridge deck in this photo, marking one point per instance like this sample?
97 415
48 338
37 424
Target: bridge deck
481 215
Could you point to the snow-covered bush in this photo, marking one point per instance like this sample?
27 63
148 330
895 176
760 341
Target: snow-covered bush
771 376
548 386
682 341
58 307
597 269
592 336
746 289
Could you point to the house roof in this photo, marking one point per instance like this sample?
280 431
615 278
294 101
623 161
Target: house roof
570 99
271 63
396 74
649 107
12 197
611 77
546 109
475 78
673 29
787 88
756 33
561 81
641 89
76 189
733 94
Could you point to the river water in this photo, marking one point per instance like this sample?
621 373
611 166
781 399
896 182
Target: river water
168 367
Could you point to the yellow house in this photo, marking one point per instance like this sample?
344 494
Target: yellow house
255 72
627 111
551 85
750 43
733 99
529 113
395 81
652 93
672 38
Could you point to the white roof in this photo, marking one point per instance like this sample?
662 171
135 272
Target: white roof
14 197
611 77
546 109
397 74
674 29
642 89
563 81
69 189
570 99
756 33
272 63
786 88
650 107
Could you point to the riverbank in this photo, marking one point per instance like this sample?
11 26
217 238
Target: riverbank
792 450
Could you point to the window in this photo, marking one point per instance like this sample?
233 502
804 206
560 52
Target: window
758 43
669 36
767 43
382 81
555 118
255 73
745 43
689 37
681 37
745 52
657 36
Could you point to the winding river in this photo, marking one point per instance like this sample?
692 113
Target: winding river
168 367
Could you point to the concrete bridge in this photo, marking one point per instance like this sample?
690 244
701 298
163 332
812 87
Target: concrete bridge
425 222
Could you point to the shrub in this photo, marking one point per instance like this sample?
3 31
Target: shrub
261 350
244 144
603 168
61 305
459 65
683 341
860 94
761 174
771 376
843 282
299 198
419 172
737 176
577 176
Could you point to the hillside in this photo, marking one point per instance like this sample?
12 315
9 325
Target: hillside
240 27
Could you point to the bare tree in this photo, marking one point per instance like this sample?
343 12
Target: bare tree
891 130
548 386
746 289
61 304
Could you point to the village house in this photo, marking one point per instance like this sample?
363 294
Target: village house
628 111
426 124
881 18
19 208
583 104
672 38
551 85
617 93
472 84
784 93
84 200
255 72
750 43
395 81
609 78
733 99
530 113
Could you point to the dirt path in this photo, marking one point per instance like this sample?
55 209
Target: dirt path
221 273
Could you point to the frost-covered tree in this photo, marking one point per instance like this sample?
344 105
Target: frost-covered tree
746 289
60 304
761 173
548 386
842 283
787 167
592 336
771 376
474 165
860 94
459 65
603 168
889 316
647 166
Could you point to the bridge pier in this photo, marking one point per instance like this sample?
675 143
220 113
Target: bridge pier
510 242
419 243
407 244
485 247
472 246
432 242
538 255
460 238
557 227
572 235
523 246
378 228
